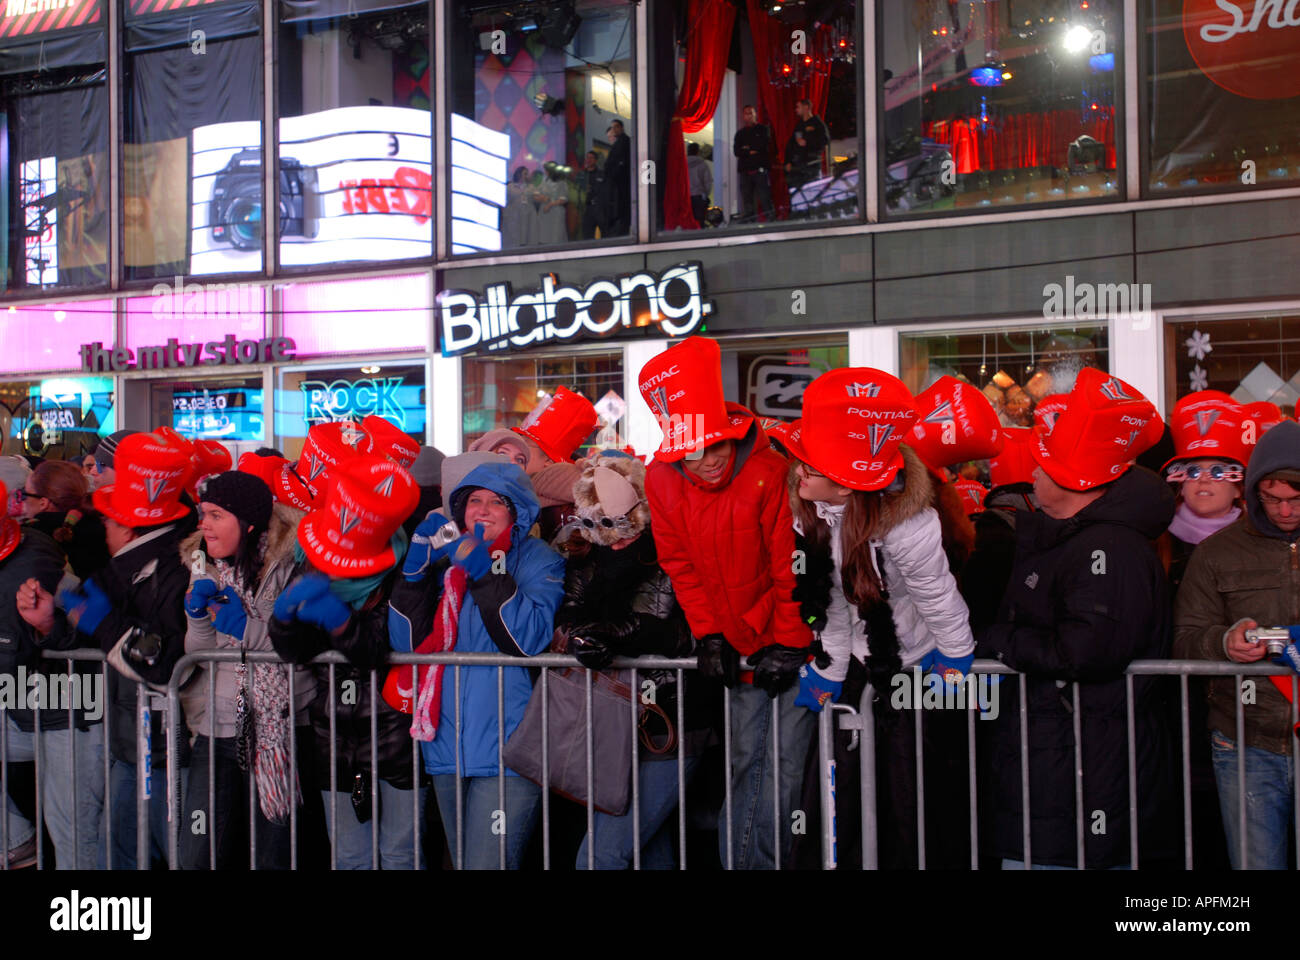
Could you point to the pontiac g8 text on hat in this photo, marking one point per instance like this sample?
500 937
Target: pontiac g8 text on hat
674 303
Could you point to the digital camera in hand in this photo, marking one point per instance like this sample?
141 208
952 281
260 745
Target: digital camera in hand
237 209
1275 639
143 648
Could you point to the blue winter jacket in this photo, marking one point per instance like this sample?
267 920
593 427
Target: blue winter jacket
528 595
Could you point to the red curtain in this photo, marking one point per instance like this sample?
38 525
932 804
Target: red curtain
1022 140
708 40
772 48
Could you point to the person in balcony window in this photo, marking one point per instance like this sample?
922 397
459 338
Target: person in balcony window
752 146
804 150
488 588
700 172
591 189
552 216
518 221
618 180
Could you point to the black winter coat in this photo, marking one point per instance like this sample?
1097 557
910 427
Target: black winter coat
365 644
1086 596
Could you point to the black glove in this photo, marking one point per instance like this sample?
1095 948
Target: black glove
592 652
776 668
719 660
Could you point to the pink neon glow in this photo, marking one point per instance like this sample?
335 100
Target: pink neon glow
366 315
49 336
198 313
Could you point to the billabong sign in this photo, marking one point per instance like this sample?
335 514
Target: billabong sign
501 319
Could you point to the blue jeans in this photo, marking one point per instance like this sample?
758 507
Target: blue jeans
752 775
483 825
123 818
657 784
1269 789
61 805
396 830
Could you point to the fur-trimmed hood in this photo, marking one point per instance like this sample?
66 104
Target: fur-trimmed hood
586 498
916 494
281 537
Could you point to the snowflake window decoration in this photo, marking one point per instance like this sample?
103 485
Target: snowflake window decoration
1198 345
1199 378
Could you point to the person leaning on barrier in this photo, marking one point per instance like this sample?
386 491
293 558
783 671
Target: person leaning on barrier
723 532
133 610
348 555
618 602
31 566
877 590
240 560
477 583
1085 597
1243 577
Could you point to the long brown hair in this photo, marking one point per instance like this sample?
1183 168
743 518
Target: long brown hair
62 483
858 577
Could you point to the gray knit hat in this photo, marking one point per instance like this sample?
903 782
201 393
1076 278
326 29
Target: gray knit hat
427 469
107 448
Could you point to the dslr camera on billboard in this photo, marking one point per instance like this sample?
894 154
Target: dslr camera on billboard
236 211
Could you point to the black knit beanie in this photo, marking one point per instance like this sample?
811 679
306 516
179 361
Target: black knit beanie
242 494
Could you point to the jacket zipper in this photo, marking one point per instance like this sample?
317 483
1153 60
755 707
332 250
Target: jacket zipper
1295 586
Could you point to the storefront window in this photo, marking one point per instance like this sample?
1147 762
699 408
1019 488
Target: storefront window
229 409
57 418
1222 107
356 131
192 158
541 146
759 121
1000 103
54 148
501 393
305 397
1252 359
1015 367
768 376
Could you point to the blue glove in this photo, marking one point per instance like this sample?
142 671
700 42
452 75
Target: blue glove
309 600
433 538
200 595
471 553
231 618
89 603
953 670
815 691
1290 656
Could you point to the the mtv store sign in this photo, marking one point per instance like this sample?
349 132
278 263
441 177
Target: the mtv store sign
671 303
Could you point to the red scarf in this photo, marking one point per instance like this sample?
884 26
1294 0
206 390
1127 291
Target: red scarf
723 479
442 639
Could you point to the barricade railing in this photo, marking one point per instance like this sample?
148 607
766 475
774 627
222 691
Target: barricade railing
861 722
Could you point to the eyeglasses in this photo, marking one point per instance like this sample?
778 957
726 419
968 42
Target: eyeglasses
591 519
22 494
1219 471
1268 500
808 471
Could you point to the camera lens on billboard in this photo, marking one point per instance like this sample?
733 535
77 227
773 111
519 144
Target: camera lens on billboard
246 223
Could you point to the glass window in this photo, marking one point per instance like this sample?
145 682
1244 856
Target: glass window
229 409
501 393
192 156
58 418
53 149
1016 367
541 96
764 104
768 375
356 131
1000 103
305 397
1222 95
1250 358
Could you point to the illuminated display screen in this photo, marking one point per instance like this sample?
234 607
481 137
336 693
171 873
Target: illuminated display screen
218 414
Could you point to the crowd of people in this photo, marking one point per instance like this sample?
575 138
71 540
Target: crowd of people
796 563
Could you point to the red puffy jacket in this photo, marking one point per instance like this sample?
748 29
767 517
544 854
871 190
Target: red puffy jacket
729 551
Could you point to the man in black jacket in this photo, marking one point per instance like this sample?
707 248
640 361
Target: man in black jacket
803 152
31 565
1086 596
618 180
752 146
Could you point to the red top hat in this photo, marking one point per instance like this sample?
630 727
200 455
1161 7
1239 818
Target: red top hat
171 435
1105 424
972 494
1210 425
560 423
327 445
854 420
11 534
1015 464
209 457
277 473
388 441
366 504
150 471
957 423
683 388
1048 409
1266 415
780 432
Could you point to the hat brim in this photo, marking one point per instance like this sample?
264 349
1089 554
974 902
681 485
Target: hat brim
333 560
103 501
737 427
879 482
546 447
1062 476
1188 458
11 534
